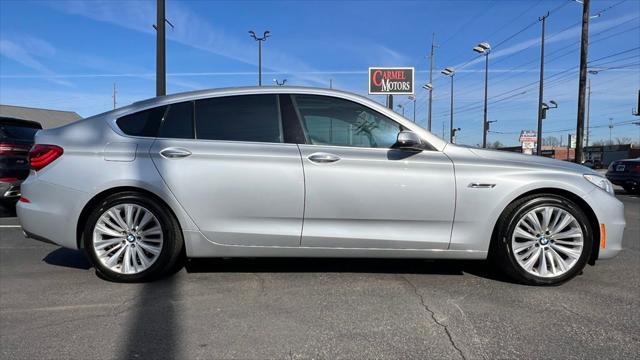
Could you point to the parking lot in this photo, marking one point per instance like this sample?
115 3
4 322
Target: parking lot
54 306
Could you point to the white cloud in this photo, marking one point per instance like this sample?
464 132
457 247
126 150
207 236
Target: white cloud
24 51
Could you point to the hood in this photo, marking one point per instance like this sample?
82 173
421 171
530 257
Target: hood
532 161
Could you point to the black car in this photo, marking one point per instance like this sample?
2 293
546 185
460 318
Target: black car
16 139
625 173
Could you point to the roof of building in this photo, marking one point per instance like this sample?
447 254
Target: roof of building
46 117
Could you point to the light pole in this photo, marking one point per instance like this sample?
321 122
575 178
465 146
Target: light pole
610 129
260 40
400 106
541 110
449 71
544 107
485 49
280 83
431 57
413 98
428 87
592 72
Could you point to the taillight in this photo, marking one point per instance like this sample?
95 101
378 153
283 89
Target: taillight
13 149
43 155
635 168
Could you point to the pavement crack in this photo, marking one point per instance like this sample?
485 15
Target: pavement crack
433 316
260 282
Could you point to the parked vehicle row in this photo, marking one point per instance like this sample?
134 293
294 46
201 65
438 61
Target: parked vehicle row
625 173
16 138
287 172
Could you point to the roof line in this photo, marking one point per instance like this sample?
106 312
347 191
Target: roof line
35 108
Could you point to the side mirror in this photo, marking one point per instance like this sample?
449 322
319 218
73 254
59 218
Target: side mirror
408 140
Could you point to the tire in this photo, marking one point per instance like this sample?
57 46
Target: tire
509 234
153 248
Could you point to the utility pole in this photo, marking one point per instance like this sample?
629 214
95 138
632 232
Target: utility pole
541 90
113 95
610 129
452 134
260 40
330 83
443 129
586 142
390 101
161 68
431 57
584 48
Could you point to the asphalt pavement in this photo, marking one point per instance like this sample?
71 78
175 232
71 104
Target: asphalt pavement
52 305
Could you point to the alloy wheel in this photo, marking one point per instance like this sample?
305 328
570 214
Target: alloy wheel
547 241
127 238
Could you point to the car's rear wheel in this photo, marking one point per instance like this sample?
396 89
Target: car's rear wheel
130 237
543 240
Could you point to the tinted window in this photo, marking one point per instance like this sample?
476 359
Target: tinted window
143 123
239 118
16 132
333 121
178 122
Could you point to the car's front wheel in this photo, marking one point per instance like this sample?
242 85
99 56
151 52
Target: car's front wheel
130 237
543 240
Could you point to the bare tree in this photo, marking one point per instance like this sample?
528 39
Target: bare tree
623 140
551 141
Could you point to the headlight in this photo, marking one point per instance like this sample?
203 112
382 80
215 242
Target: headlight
601 182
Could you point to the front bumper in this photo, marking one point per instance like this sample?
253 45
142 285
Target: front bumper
52 211
610 214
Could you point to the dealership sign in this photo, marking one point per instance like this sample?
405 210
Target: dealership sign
528 136
391 81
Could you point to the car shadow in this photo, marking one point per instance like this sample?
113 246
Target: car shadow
7 209
346 265
75 259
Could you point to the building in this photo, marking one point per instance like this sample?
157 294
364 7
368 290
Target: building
46 117
607 154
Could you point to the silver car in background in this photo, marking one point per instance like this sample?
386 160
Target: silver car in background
304 172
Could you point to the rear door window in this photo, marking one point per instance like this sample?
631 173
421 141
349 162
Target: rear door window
143 123
178 121
254 118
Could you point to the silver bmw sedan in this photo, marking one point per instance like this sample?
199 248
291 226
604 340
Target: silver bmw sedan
304 172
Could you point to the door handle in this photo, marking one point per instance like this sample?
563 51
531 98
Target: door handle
175 153
322 158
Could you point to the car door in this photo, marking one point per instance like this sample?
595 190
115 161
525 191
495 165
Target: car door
361 193
225 160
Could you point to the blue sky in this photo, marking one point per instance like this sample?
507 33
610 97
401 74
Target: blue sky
67 54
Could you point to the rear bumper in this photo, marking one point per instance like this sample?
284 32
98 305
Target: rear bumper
610 213
624 179
51 213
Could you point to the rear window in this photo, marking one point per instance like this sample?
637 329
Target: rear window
16 132
144 123
239 118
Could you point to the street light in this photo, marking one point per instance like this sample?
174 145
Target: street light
413 98
449 71
260 40
284 81
484 49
